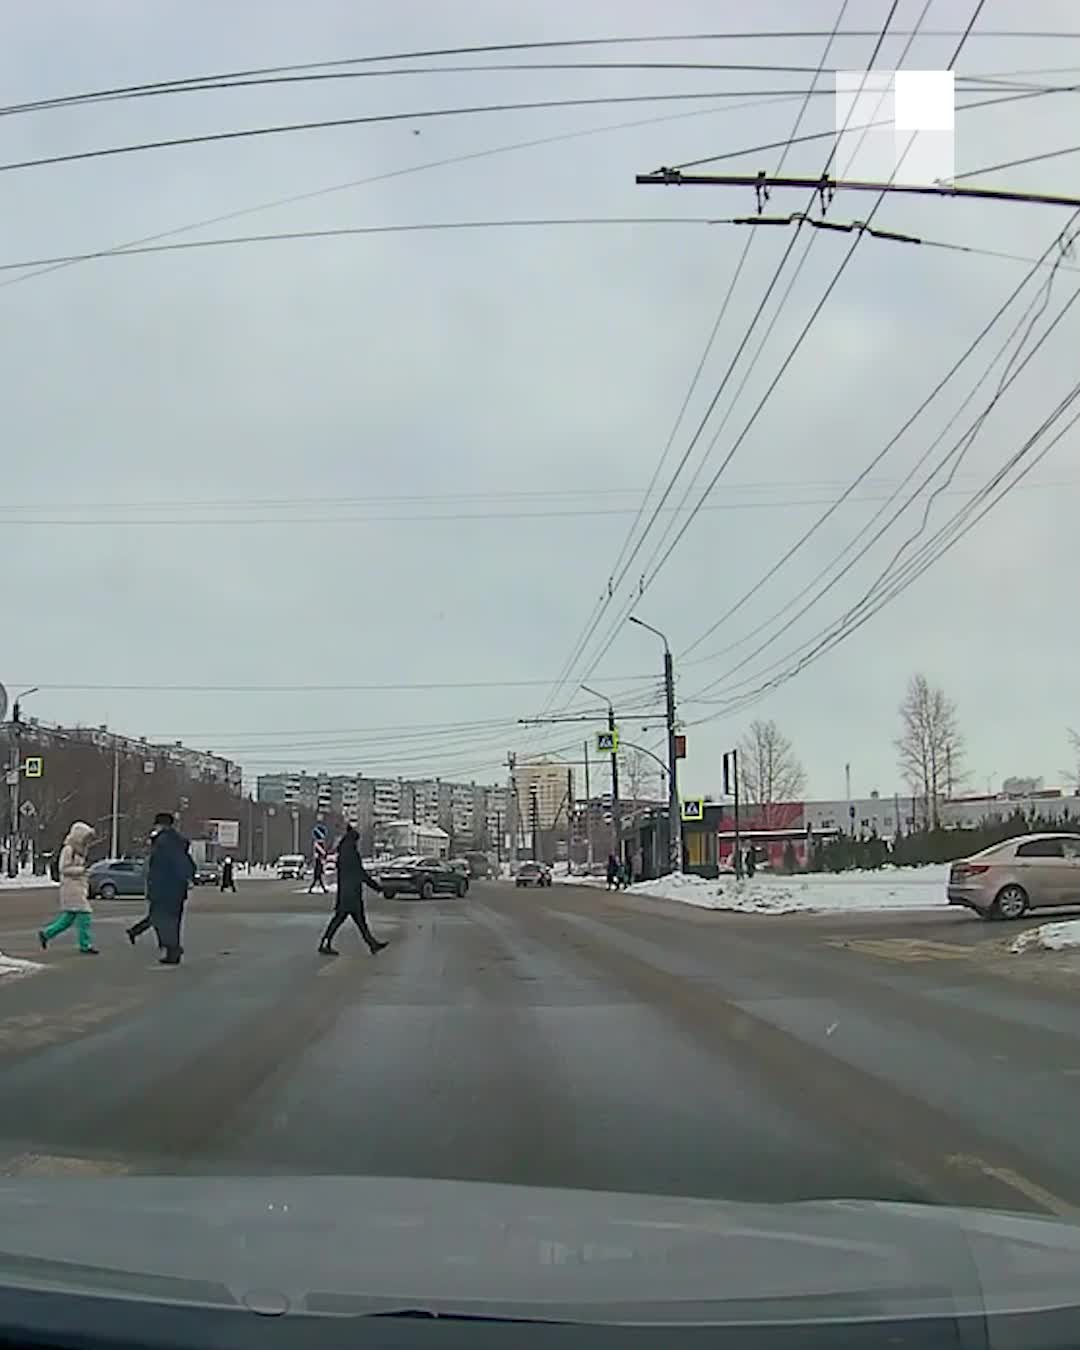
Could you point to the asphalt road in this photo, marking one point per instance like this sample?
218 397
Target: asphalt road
563 1037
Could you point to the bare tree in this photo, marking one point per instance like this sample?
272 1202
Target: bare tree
1073 774
769 769
930 746
638 776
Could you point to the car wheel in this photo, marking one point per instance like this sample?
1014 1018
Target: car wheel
1010 902
427 890
107 891
462 887
389 894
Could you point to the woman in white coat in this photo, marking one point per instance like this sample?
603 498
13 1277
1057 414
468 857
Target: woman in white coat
74 900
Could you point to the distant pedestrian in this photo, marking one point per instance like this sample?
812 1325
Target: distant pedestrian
351 877
74 896
751 862
612 872
318 875
228 881
170 872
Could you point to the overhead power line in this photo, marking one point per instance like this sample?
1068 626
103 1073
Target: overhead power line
623 562
372 119
494 48
876 460
647 580
423 685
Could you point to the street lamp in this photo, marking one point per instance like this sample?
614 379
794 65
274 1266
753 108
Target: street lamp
14 781
674 817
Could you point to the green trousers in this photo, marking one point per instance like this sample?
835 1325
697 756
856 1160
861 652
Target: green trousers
64 920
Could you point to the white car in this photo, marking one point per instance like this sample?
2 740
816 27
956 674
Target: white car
290 866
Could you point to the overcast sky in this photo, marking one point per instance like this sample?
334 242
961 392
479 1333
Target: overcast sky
247 445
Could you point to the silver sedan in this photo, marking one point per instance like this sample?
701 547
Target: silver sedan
1032 871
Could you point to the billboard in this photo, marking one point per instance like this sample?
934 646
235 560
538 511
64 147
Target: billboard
224 833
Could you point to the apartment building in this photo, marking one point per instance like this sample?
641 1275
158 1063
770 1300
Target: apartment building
547 782
289 789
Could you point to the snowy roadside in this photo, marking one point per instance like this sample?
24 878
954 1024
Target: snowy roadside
24 881
892 888
1049 937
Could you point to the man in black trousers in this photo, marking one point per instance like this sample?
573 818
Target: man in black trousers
170 872
351 876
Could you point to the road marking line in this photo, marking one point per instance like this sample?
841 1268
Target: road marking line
904 949
1052 1203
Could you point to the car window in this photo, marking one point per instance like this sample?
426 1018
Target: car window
1071 848
1040 848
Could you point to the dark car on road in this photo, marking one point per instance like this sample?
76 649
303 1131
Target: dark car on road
479 865
207 874
533 874
117 877
424 877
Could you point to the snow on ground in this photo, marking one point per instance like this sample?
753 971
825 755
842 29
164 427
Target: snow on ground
890 888
23 880
13 967
1049 937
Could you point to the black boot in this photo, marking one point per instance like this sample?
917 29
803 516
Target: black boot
171 957
376 946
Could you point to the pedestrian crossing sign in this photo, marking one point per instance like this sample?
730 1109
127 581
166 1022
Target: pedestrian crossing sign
607 742
33 768
693 808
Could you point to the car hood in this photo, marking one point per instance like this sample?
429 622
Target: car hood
347 1244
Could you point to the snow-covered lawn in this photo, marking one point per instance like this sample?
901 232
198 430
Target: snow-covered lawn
1049 937
12 967
24 880
890 888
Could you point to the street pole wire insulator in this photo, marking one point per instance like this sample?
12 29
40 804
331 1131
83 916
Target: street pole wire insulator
826 192
761 191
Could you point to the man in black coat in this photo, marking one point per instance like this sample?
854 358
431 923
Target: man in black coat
351 876
171 871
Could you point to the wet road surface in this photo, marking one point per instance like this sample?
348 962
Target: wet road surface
562 1038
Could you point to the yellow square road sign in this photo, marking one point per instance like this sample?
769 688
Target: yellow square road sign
607 742
34 766
693 808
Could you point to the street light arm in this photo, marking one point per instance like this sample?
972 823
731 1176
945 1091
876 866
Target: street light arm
629 745
642 624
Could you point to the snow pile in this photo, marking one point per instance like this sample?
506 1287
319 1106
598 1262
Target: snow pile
24 880
1049 937
14 966
893 888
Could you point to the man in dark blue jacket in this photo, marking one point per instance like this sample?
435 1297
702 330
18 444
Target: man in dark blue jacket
169 874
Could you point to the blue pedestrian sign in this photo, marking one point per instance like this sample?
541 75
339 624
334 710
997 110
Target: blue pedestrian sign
318 832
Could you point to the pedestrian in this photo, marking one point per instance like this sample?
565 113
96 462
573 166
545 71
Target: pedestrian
228 881
317 875
751 862
612 872
351 877
74 896
170 872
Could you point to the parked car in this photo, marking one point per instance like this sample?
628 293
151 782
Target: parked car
460 865
424 877
479 866
291 866
533 874
1032 871
117 877
207 874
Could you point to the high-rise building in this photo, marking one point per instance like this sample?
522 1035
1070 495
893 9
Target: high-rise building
289 789
547 782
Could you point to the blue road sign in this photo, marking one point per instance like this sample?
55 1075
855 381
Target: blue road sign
318 832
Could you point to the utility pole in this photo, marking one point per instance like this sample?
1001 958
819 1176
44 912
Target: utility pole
675 851
616 811
511 810
114 843
731 789
14 777
534 822
850 812
588 813
569 819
